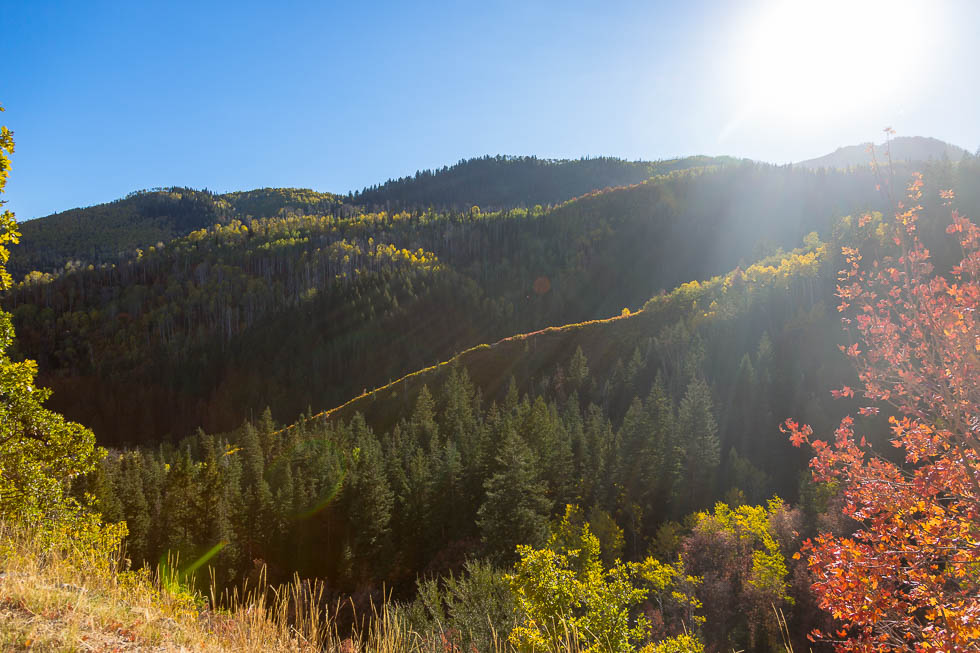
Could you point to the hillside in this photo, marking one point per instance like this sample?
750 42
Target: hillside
363 393
291 312
516 181
108 233
111 232
639 419
904 149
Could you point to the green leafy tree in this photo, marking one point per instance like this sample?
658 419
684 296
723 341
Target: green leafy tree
40 452
567 598
563 590
467 612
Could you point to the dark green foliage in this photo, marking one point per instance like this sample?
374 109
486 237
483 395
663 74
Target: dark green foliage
368 502
516 508
135 508
256 495
471 458
697 434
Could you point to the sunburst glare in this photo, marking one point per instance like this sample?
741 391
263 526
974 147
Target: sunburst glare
801 63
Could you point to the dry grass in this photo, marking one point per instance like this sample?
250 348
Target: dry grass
52 602
60 598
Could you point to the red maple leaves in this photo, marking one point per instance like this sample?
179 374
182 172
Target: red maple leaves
909 577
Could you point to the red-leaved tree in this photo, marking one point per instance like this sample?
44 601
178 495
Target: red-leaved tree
909 577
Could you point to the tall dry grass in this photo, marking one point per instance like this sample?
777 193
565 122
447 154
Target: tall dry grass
59 595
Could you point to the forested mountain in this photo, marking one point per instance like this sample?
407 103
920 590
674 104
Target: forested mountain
904 149
667 328
292 312
111 232
502 182
107 233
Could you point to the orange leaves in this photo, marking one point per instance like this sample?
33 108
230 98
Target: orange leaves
846 391
906 578
798 433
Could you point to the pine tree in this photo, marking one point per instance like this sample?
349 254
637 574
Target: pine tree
216 492
516 507
412 519
422 426
548 440
369 502
666 453
135 507
742 401
512 397
256 495
180 511
698 432
636 468
266 428
451 518
101 485
578 371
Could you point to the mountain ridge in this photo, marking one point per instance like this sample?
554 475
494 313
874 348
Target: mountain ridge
903 148
107 232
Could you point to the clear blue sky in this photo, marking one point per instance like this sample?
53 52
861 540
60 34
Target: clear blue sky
105 98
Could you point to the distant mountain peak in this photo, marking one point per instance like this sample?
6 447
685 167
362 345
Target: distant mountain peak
903 148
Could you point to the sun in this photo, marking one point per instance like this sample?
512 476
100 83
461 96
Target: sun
811 62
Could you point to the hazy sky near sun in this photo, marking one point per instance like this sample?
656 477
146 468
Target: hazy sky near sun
108 97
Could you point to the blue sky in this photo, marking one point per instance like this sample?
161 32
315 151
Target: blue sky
106 98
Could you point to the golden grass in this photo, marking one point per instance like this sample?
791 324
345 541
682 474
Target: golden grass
56 598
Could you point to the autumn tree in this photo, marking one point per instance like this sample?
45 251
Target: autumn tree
907 578
739 555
